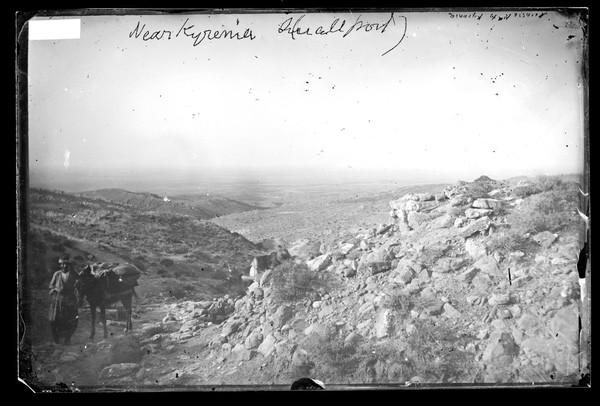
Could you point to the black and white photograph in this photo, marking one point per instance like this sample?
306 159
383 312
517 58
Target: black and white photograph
302 199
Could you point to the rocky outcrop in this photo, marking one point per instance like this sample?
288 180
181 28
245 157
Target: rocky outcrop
432 264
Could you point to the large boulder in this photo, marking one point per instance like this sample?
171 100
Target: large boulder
425 197
475 248
545 238
417 220
479 225
318 329
231 327
253 340
564 325
380 256
445 221
498 356
268 345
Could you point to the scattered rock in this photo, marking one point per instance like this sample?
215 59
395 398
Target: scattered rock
545 238
565 325
253 340
320 263
434 308
450 311
383 228
491 204
349 272
498 356
247 355
281 316
499 299
352 339
268 345
475 248
468 275
416 219
476 213
479 225
301 360
231 327
320 329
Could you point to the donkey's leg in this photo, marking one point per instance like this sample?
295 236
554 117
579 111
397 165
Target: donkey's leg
93 312
103 318
127 304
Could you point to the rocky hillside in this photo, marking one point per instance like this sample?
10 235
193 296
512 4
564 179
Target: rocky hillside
476 283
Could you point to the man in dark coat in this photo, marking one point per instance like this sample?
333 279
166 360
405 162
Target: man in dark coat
63 314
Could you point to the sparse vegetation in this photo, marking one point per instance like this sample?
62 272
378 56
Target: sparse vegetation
333 358
400 302
437 351
552 208
166 262
477 190
431 254
525 190
507 241
292 282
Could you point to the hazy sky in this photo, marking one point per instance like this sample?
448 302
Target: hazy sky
456 96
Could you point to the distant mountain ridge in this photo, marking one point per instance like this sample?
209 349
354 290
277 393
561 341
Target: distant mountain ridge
198 206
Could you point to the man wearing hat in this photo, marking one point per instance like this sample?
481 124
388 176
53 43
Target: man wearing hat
63 315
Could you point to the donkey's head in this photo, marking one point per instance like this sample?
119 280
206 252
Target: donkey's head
82 284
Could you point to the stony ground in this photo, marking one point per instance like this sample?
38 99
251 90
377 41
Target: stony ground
389 291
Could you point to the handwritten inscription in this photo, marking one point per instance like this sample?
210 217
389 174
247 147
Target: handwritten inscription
295 27
188 30
498 16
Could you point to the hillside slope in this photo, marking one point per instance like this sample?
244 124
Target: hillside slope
198 206
474 283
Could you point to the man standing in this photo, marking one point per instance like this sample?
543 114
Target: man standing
63 314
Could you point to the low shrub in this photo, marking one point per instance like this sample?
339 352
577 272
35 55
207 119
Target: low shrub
478 190
553 210
525 190
177 292
166 262
333 359
431 254
436 351
399 302
508 241
292 282
162 272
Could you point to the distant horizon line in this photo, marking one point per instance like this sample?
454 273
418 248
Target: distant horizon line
152 185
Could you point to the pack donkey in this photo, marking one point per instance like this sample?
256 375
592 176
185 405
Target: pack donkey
102 291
